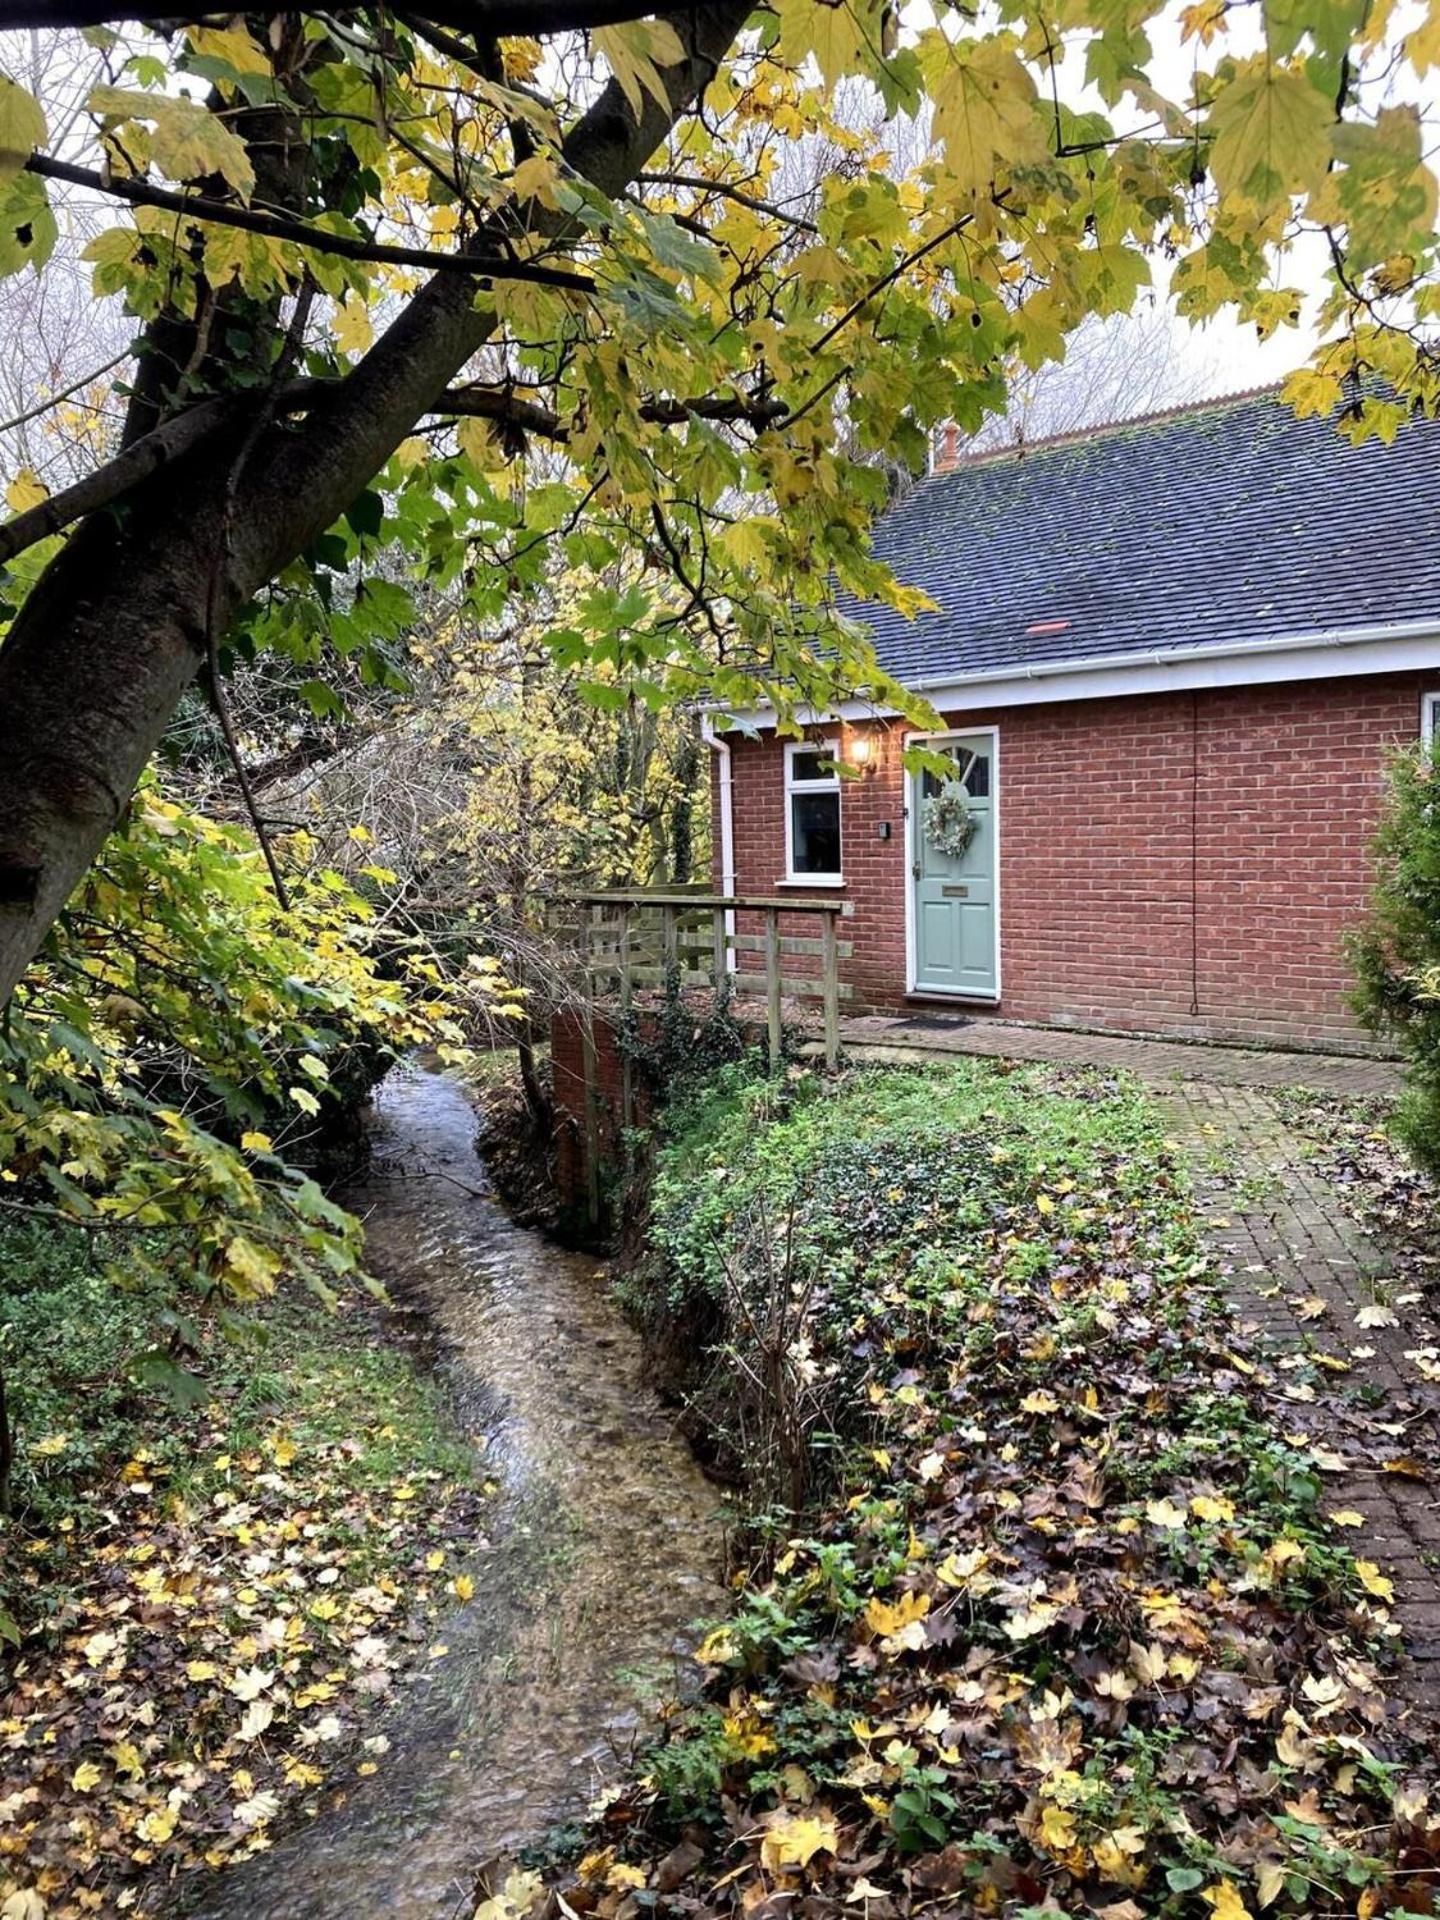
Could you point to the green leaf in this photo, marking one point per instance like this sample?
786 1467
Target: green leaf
1272 131
1184 1879
366 514
27 226
156 1370
187 142
22 126
986 112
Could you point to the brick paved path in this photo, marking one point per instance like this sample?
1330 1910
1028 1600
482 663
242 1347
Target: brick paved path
881 1035
1298 1272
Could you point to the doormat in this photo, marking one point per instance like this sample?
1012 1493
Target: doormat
931 1023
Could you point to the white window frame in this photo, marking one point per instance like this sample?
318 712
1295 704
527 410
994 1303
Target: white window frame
1429 708
830 784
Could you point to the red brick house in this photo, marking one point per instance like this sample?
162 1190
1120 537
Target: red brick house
1170 657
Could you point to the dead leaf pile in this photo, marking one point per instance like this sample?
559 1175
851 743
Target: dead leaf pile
1080 1631
210 1657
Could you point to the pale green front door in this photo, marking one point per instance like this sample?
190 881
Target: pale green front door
955 896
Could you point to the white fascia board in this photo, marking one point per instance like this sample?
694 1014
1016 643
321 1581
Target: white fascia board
1325 654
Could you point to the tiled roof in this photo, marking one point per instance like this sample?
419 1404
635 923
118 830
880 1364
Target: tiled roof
1228 521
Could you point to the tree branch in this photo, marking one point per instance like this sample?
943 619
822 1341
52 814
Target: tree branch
159 448
697 183
165 444
497 403
301 233
66 393
493 17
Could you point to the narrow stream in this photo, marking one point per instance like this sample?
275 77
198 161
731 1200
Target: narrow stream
605 1545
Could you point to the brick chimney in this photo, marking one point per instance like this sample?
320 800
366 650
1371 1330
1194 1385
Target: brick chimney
945 449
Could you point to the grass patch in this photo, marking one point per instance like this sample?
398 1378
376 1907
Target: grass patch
1060 1620
207 1601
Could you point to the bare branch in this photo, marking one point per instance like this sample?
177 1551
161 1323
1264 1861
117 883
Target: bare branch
277 227
65 393
499 404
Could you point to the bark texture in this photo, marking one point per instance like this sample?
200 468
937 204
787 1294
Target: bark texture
116 628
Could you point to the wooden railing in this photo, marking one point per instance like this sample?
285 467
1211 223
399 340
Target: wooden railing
630 939
624 940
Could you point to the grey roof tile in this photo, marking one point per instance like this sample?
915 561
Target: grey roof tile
1230 521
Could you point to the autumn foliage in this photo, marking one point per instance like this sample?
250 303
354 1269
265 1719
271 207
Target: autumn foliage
1077 1627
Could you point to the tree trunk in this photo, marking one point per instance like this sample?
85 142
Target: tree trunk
117 626
7 1448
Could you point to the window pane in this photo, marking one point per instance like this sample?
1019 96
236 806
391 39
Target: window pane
977 775
815 832
816 765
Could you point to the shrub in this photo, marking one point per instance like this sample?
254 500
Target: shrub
1396 954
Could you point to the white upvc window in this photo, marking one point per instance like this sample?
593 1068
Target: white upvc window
1429 709
812 811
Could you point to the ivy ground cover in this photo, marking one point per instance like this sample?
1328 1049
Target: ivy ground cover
1067 1622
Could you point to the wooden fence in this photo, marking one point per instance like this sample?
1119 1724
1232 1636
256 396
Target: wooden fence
630 939
685 939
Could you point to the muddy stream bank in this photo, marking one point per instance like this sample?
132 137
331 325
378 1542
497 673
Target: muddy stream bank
603 1545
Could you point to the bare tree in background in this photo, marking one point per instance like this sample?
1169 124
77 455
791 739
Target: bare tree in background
59 339
1117 368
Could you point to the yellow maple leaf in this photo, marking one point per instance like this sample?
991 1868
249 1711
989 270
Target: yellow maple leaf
22 127
1272 125
1167 1513
26 490
1224 1900
232 45
157 1826
986 112
1374 1581
635 54
1057 1829
1207 1506
795 1842
1040 1402
463 1587
86 1777
517 1896
884 1618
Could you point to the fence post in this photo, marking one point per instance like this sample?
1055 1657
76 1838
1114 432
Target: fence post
627 1077
831 969
772 983
670 951
590 1069
717 948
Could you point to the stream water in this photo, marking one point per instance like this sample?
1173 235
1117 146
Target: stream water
605 1545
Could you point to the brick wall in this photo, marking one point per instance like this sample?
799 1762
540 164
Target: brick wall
567 1070
1109 916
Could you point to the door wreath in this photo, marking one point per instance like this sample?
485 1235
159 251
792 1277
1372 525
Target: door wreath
949 823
